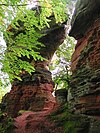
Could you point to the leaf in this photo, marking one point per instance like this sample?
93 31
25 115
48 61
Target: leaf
23 33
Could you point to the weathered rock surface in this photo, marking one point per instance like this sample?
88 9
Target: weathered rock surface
85 82
86 12
36 122
86 72
87 43
34 92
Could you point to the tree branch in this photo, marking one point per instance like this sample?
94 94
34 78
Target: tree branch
13 5
17 5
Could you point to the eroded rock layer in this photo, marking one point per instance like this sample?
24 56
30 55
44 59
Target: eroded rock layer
34 93
85 83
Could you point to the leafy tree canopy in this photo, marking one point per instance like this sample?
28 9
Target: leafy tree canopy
12 13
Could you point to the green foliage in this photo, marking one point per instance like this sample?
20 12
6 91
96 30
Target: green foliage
6 123
61 65
52 7
4 85
69 127
2 93
63 117
23 32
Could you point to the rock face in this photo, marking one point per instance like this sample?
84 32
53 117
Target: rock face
86 72
34 92
36 122
31 94
85 14
85 82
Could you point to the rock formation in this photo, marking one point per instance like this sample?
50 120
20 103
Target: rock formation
32 97
34 93
85 82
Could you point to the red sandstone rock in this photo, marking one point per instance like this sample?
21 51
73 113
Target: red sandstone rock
34 122
82 43
31 98
86 72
